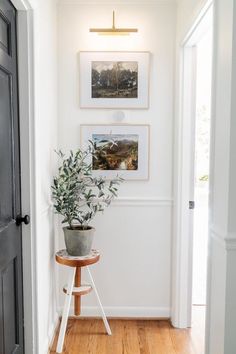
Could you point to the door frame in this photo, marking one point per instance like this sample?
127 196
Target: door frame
183 192
25 48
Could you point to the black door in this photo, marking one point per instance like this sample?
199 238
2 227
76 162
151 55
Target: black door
11 300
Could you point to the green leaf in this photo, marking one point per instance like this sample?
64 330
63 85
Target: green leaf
76 193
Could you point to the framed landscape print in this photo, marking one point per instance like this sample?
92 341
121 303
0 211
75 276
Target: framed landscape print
120 149
114 79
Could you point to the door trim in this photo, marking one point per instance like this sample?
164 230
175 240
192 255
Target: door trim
182 249
25 39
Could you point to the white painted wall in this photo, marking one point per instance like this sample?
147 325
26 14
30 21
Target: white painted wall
187 13
134 235
221 314
45 70
221 319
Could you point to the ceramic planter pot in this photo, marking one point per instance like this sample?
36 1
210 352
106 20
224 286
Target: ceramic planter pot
78 241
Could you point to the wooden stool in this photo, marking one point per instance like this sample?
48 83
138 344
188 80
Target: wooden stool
75 288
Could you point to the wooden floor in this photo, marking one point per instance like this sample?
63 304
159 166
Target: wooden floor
133 337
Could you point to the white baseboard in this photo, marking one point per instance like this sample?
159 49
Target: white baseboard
125 312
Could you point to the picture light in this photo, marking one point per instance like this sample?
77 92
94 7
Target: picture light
113 30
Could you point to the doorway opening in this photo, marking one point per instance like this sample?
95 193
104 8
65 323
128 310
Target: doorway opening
193 127
203 52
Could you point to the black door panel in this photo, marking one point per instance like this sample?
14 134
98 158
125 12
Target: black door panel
6 141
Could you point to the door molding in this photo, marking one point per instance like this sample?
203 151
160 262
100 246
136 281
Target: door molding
25 33
182 242
182 265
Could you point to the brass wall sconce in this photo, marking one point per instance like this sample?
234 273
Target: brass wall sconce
113 30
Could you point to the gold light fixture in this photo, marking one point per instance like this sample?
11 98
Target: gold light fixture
113 30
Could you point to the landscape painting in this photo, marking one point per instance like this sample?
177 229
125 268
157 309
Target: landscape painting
114 79
115 152
118 150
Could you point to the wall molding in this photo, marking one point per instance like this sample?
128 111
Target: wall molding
230 244
217 236
129 202
142 202
26 76
124 312
225 240
117 2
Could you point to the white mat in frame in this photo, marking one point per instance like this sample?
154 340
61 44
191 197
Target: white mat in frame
96 93
126 152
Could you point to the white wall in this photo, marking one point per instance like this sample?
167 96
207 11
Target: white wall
134 235
45 67
187 12
221 314
222 244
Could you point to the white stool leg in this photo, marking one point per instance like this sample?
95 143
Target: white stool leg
66 309
106 324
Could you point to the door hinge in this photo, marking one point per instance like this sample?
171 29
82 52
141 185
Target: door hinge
191 204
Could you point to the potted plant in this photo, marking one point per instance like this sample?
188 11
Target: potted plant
78 197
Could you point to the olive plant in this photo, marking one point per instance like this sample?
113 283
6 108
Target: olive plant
78 196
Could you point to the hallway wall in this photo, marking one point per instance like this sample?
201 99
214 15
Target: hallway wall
221 319
134 235
221 313
188 11
46 122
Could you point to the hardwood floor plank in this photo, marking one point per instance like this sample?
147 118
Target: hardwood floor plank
114 344
88 336
181 341
143 342
158 337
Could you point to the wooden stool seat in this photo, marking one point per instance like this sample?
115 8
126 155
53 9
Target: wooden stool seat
76 289
64 258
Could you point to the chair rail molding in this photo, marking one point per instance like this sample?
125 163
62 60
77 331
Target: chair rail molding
117 2
142 202
217 235
230 242
225 240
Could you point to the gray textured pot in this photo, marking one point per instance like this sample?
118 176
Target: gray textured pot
78 242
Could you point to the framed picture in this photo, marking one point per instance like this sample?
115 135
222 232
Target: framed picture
114 79
120 149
